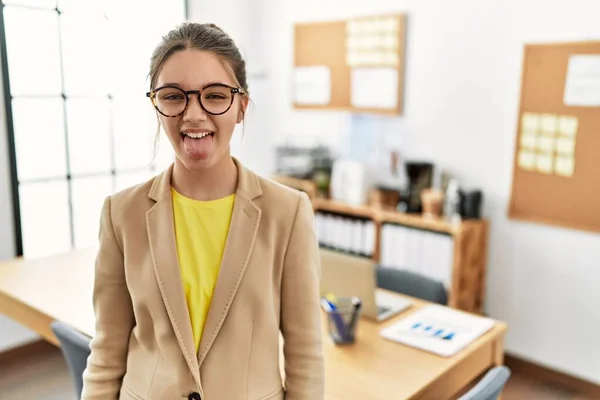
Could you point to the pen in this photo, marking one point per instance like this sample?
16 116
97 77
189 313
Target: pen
331 298
357 304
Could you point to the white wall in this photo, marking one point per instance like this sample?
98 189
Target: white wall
11 334
462 97
245 22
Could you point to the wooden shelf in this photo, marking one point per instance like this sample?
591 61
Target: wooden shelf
337 207
469 237
436 224
383 215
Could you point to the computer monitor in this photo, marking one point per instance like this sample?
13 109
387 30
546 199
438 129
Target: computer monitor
347 275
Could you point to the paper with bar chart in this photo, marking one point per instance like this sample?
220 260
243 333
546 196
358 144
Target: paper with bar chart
437 329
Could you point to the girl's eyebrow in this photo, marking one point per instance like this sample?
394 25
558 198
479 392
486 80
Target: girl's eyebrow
205 85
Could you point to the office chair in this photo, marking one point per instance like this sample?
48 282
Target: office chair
75 348
490 386
411 284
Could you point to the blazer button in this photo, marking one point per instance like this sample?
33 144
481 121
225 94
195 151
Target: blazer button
194 396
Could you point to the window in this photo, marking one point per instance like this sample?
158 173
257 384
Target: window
79 121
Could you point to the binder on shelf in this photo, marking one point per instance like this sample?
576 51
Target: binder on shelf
427 253
346 233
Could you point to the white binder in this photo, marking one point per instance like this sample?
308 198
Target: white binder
423 252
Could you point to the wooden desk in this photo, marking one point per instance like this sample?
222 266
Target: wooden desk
35 292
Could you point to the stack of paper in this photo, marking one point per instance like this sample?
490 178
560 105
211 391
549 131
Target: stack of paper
437 329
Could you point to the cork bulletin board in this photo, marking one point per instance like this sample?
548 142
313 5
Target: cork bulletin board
353 65
556 171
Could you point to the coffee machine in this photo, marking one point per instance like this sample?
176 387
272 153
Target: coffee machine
420 176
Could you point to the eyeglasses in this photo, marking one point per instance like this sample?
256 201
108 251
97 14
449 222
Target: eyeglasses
172 101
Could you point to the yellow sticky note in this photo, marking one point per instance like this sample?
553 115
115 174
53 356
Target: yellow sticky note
392 24
351 59
391 41
549 123
545 144
543 163
564 166
351 44
353 28
360 58
528 140
372 25
565 146
526 160
567 126
530 122
372 58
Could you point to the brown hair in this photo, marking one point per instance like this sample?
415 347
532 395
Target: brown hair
203 37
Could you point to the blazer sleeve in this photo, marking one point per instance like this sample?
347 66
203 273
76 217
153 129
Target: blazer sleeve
113 310
300 309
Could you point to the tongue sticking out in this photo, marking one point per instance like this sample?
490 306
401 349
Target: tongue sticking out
197 148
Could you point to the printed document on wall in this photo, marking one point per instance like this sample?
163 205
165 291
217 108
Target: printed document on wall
582 87
373 87
312 85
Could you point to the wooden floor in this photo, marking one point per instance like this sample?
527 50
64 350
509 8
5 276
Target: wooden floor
45 376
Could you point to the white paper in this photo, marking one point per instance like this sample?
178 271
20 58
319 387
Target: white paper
438 329
582 86
374 87
312 85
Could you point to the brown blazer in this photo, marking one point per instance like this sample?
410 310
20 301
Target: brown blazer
268 283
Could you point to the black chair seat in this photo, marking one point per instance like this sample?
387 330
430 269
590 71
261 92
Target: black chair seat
411 284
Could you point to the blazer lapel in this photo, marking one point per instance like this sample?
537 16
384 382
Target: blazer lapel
245 220
163 248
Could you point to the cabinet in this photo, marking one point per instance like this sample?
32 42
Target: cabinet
455 254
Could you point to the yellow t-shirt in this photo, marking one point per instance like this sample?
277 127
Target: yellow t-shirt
201 229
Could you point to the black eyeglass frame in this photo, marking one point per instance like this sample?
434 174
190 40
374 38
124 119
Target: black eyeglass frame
234 90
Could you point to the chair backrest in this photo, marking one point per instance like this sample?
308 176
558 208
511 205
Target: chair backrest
75 347
411 284
490 386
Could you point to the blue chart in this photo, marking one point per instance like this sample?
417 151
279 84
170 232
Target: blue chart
438 329
434 329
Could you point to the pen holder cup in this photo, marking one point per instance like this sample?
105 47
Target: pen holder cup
342 321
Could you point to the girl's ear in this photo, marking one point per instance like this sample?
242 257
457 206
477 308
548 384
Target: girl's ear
243 108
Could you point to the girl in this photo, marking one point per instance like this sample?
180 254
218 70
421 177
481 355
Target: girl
200 269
